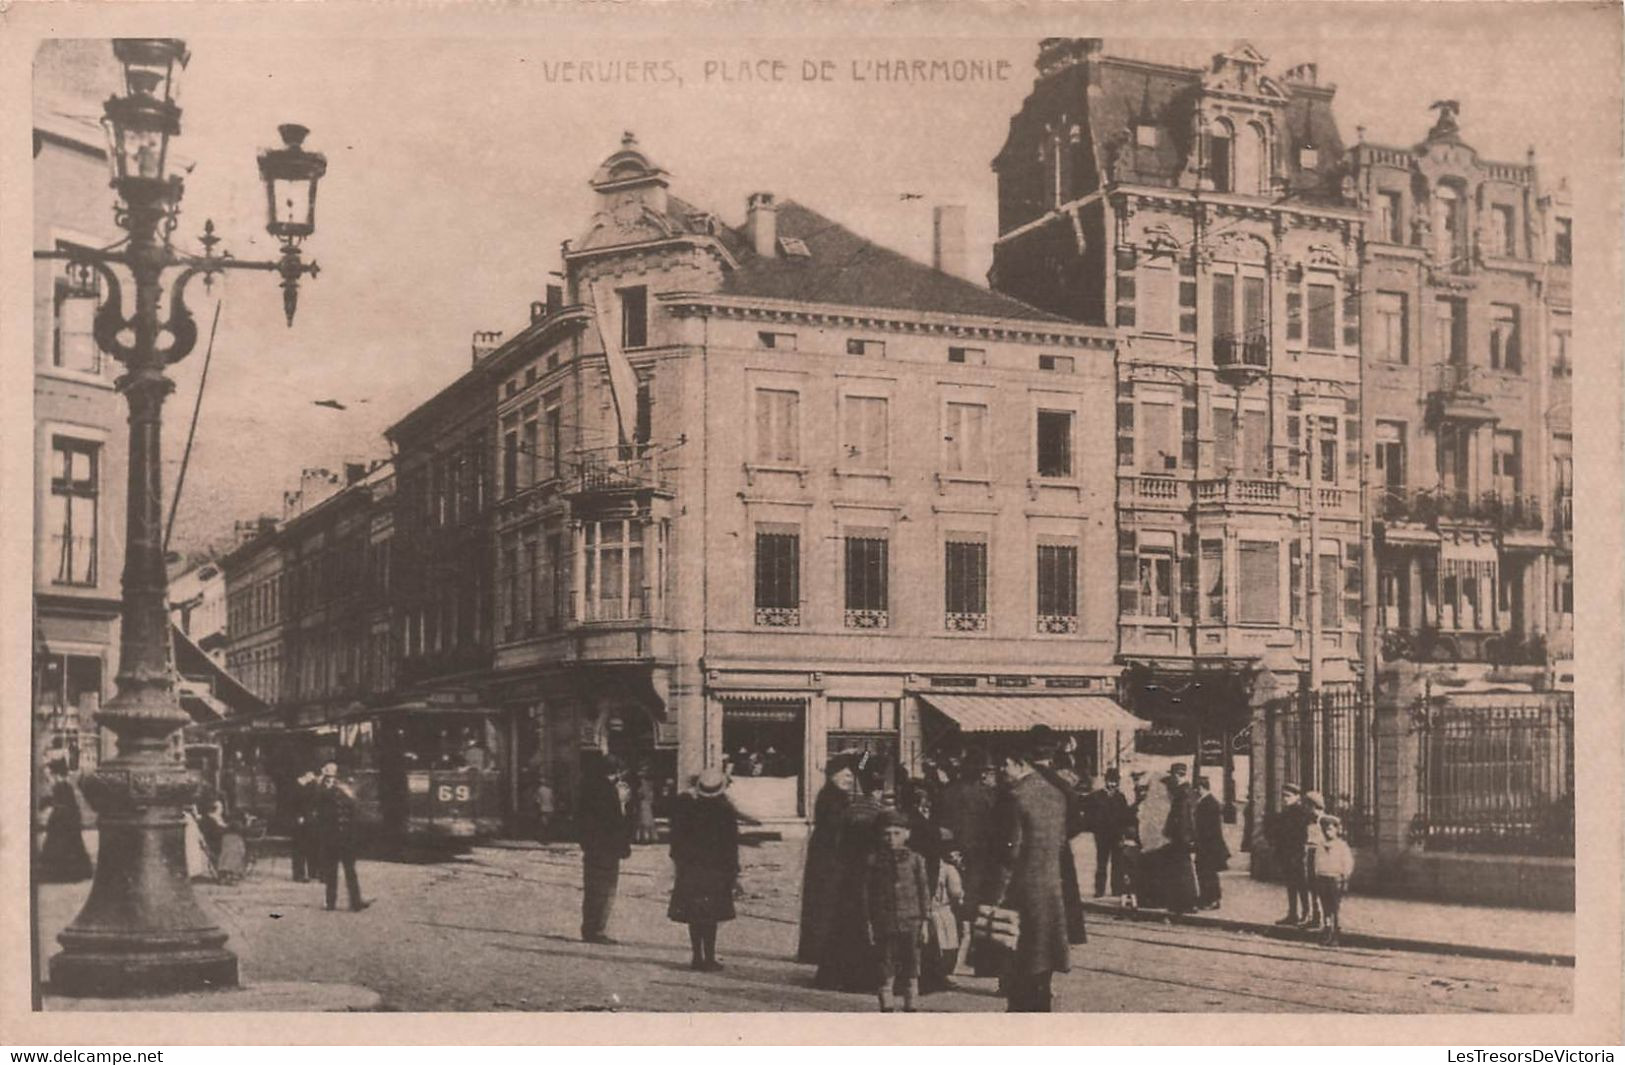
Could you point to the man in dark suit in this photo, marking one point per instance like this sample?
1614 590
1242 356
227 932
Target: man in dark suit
1107 814
1179 830
605 822
303 810
1287 840
334 814
1212 853
1030 833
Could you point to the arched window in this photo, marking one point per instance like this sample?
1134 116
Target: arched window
1220 143
1251 155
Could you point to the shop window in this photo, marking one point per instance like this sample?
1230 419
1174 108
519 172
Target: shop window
1504 338
1054 443
1390 331
965 439
1259 583
965 585
867 575
68 694
778 427
1057 588
73 513
865 431
778 578
634 316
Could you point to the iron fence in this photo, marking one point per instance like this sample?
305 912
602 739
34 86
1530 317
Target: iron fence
1496 774
1321 741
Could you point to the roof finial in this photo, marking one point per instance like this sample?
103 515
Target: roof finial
629 139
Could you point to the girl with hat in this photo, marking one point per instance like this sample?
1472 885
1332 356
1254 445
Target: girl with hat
705 851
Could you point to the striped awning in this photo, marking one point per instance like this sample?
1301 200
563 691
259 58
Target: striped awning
1018 713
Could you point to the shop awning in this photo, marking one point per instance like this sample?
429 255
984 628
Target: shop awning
1018 713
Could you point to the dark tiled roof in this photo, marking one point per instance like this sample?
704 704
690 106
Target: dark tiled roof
844 268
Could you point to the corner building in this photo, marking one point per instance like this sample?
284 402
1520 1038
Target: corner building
1467 292
1206 214
835 500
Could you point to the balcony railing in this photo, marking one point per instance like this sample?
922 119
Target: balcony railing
1249 352
1242 491
1464 645
618 470
1429 506
1153 491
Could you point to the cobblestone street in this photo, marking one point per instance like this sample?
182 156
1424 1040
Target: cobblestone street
497 930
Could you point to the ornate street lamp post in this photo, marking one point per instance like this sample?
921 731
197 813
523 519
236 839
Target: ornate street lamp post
141 930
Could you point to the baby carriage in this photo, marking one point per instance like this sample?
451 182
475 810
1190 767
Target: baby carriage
228 847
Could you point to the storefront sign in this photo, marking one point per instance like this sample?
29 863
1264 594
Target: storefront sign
1011 682
1066 682
1242 742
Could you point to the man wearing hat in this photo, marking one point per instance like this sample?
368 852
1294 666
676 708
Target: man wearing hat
1212 853
1108 814
966 809
1179 830
1030 834
606 838
1288 839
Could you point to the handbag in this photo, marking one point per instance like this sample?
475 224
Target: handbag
996 926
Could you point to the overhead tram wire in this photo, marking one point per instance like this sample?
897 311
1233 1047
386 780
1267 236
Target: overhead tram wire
191 432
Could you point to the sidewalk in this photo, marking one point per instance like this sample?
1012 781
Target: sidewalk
1250 905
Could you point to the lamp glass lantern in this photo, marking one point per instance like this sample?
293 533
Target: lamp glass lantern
291 174
149 65
138 132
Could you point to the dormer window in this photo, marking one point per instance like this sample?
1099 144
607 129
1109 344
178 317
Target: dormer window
1308 157
1146 135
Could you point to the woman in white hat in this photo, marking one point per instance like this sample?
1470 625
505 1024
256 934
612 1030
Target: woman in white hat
705 850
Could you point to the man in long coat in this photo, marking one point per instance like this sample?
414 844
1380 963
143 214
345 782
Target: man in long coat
1179 872
966 810
605 822
1212 853
1107 814
334 814
1030 831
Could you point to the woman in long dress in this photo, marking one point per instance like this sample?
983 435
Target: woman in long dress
847 960
821 878
705 850
63 858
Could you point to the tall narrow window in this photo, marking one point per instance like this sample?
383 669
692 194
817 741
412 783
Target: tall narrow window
634 316
1390 332
778 578
1259 582
1054 443
1327 448
529 446
1224 319
1331 586
1159 445
1156 579
643 423
1352 590
1154 301
1563 242
1507 464
553 429
1450 329
865 433
1219 148
965 585
1224 440
510 455
558 586
1322 315
1252 157
965 439
778 429
1390 218
1452 233
1390 456
867 605
1213 580
74 346
1503 234
1057 588
1504 340
72 518
1255 443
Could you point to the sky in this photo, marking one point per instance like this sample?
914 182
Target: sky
458 162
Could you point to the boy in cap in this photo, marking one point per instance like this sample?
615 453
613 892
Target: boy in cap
1333 867
896 903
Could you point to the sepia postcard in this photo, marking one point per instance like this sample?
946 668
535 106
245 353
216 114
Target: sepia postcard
523 514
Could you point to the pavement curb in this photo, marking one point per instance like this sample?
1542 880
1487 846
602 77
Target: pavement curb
1368 940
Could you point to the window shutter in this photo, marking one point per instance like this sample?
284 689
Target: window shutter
1128 577
1187 576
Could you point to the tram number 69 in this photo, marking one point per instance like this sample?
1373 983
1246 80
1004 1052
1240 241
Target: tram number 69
453 793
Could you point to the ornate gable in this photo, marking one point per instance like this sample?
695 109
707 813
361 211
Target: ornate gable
1240 72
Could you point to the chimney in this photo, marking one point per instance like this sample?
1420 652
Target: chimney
538 311
555 298
485 342
354 471
762 223
948 239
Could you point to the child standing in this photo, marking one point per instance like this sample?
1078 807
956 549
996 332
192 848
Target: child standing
1333 867
944 936
896 904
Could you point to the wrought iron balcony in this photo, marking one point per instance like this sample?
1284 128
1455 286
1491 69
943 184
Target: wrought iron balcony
1429 506
1429 644
1247 356
618 471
